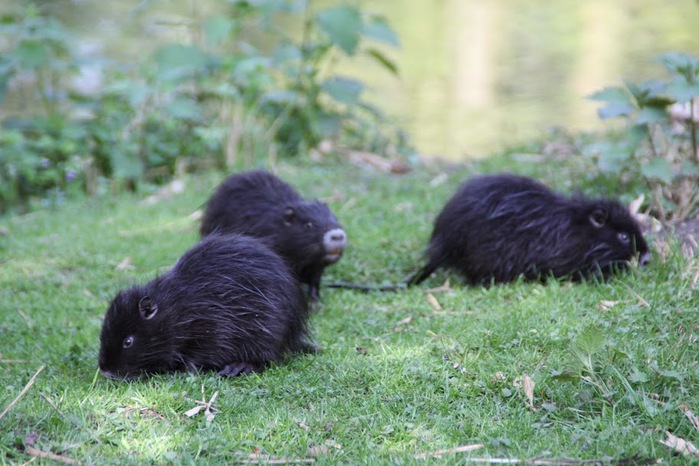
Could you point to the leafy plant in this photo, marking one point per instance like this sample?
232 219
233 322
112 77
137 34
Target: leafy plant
660 143
216 100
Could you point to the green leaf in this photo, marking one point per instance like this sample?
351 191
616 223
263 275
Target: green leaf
282 97
681 63
386 62
649 115
343 24
216 28
615 110
184 109
638 377
32 54
659 169
613 94
613 159
566 377
636 135
591 341
177 60
343 90
688 168
618 102
379 29
682 91
286 51
125 164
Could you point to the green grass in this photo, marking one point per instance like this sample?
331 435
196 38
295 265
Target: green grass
398 376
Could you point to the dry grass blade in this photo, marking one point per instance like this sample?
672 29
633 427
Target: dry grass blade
21 394
440 453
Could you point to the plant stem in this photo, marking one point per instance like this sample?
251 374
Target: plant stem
693 129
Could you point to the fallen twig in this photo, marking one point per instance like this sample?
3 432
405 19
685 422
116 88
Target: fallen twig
21 394
265 459
440 453
29 449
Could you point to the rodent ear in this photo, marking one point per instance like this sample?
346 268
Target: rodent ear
147 308
289 214
598 217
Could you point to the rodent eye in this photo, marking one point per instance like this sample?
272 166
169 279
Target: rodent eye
128 342
623 237
309 225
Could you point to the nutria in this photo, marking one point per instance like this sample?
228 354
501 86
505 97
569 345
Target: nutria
229 304
257 203
499 227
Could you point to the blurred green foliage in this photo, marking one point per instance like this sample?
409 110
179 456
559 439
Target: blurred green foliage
659 144
216 101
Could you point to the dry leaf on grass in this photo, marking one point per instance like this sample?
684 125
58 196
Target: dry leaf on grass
606 305
433 302
690 415
394 165
407 320
207 406
175 187
527 384
324 449
444 287
125 264
680 445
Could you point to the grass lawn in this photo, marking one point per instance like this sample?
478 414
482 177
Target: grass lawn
613 365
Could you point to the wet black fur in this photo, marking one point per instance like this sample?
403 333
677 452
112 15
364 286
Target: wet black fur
229 304
498 227
259 204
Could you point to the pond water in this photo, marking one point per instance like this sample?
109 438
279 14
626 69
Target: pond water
477 75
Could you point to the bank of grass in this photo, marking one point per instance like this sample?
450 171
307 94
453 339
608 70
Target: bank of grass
402 373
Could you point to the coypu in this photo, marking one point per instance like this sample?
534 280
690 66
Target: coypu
498 227
257 203
229 304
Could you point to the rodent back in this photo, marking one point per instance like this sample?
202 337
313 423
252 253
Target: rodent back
500 226
228 298
247 203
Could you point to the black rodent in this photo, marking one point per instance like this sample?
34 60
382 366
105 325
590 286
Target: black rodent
498 227
229 304
257 203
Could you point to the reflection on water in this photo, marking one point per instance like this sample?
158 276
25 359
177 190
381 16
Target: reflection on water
476 75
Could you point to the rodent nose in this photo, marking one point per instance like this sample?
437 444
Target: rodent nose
644 260
335 239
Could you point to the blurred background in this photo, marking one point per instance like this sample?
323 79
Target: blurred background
97 96
474 75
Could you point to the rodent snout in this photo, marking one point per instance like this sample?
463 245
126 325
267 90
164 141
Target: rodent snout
644 260
334 239
334 242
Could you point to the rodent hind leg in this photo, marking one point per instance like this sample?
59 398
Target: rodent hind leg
235 368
